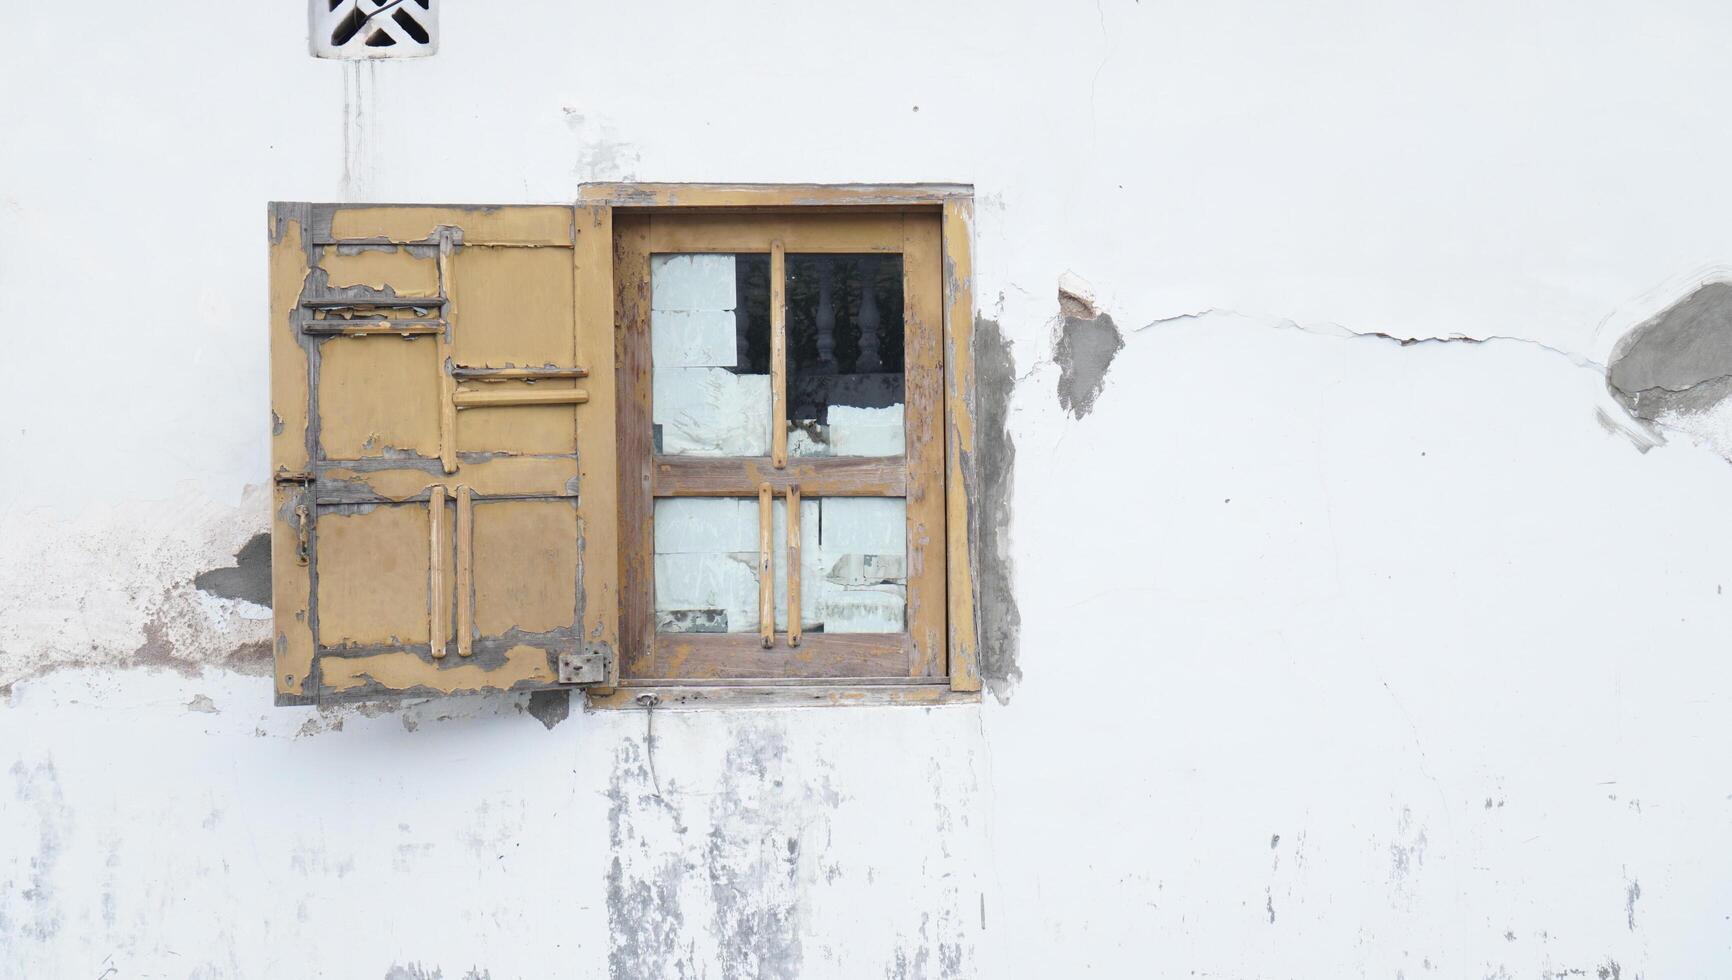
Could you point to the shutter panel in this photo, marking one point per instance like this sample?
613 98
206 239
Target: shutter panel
444 450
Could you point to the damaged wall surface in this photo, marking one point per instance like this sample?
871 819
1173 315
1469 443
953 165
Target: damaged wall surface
1352 407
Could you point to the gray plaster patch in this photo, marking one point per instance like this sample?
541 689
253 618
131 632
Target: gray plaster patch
1679 362
202 704
995 466
753 862
645 918
413 971
248 579
550 707
1085 350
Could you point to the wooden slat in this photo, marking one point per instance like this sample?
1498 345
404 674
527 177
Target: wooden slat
836 476
599 465
291 404
372 328
447 383
703 656
793 566
438 594
462 373
778 356
923 315
519 396
959 527
634 441
766 566
465 571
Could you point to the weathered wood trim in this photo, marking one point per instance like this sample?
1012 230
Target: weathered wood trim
711 195
794 576
684 657
778 356
923 414
598 459
480 398
702 231
291 436
833 476
766 567
635 442
961 483
793 693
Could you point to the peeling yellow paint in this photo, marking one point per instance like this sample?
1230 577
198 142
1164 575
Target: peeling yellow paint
549 475
524 667
406 274
377 394
525 565
373 576
515 225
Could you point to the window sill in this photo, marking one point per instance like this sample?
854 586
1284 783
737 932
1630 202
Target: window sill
784 694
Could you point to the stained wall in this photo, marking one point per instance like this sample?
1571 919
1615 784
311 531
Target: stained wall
1357 492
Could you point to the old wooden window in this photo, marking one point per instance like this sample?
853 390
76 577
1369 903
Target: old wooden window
673 436
782 441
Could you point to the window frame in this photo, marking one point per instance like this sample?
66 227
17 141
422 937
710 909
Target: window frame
935 243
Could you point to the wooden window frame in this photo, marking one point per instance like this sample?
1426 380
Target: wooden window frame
934 660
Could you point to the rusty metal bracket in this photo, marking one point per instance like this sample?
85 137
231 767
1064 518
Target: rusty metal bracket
582 668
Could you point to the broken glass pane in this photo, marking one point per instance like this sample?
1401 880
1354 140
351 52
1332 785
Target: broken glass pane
710 354
845 382
706 565
853 556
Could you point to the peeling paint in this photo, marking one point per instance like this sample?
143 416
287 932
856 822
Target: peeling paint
1084 350
248 579
995 466
1675 369
550 707
753 863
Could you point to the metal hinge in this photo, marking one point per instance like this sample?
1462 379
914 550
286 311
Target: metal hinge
582 668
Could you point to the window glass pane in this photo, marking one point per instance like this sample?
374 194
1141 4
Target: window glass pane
855 556
845 389
706 565
710 354
853 553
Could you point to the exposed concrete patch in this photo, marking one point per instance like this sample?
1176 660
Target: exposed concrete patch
550 707
1675 369
995 468
248 579
1085 349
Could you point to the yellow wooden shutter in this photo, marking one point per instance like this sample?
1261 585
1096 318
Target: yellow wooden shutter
442 393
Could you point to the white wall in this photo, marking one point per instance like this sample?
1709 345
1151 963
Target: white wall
1340 657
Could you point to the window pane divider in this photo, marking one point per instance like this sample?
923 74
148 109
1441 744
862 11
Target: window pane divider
778 355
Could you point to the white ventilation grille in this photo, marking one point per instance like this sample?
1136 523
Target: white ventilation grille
374 28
